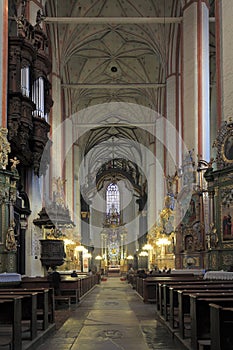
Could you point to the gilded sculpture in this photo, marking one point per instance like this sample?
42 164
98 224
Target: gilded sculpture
4 148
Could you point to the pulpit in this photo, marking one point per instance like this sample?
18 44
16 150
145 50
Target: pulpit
52 252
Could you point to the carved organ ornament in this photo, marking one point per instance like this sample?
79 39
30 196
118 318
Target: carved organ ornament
29 98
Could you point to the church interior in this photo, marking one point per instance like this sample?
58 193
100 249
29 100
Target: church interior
116 156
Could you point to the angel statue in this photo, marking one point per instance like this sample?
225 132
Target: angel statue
14 162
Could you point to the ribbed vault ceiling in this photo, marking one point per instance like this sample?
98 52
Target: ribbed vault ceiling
113 58
111 53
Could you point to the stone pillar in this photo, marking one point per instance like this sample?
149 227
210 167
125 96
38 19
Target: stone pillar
152 187
158 171
142 229
3 61
76 194
172 135
195 71
58 130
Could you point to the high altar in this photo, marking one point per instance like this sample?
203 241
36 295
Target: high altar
113 243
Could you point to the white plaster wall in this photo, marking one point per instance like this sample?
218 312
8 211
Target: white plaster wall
227 58
33 233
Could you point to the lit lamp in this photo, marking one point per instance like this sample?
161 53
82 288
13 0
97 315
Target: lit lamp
99 258
162 242
149 248
143 254
129 257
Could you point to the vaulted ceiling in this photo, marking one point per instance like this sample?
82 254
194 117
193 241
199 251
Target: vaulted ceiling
100 54
102 60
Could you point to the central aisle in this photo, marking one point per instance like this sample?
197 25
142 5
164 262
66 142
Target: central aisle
111 317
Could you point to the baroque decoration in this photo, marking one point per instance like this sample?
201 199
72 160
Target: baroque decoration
27 125
8 194
54 220
224 146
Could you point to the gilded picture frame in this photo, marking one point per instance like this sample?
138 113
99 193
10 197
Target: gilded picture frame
227 148
226 223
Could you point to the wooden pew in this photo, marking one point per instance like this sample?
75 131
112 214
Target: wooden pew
70 287
199 287
45 303
29 304
11 308
149 289
200 315
164 287
43 282
167 280
185 314
221 327
184 311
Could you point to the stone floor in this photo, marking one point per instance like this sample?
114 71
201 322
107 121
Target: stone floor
111 317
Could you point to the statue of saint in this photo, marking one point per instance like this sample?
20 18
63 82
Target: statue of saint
58 194
10 238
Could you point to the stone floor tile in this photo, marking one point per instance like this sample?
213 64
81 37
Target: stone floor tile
111 317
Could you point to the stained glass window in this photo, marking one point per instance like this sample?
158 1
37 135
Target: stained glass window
112 198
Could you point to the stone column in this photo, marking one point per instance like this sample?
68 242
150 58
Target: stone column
152 188
172 134
195 71
57 128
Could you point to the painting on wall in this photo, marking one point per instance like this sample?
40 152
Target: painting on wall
227 227
227 148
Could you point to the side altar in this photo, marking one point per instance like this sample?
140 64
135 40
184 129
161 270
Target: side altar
220 190
8 192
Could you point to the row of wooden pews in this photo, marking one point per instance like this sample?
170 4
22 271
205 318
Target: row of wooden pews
72 288
28 309
221 326
23 313
148 288
196 312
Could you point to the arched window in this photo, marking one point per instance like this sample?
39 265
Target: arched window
112 198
